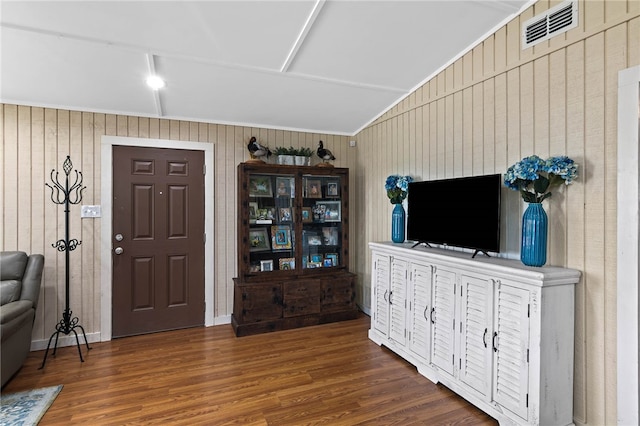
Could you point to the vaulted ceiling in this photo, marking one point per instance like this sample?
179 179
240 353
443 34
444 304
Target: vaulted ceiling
325 66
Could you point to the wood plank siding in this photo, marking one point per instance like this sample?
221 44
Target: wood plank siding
498 103
36 140
490 107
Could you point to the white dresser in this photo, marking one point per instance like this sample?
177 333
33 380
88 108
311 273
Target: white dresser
498 333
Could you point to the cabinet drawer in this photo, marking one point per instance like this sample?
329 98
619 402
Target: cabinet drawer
337 295
301 298
261 302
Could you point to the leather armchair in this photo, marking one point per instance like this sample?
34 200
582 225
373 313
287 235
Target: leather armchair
20 280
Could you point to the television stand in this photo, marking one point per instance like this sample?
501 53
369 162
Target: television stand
479 251
465 297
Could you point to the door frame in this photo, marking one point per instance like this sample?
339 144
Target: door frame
628 251
106 191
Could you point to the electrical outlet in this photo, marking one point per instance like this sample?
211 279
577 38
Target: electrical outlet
352 144
90 211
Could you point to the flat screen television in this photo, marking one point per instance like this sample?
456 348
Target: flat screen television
460 212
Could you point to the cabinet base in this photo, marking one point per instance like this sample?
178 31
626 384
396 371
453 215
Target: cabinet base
289 323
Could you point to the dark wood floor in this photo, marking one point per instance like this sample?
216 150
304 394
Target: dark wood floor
330 374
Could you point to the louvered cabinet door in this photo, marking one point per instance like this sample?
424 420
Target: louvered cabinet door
476 314
398 300
442 316
510 342
419 306
380 302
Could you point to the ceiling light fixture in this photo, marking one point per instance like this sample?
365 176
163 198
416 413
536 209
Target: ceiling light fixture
155 82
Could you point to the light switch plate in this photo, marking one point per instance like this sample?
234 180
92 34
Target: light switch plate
90 211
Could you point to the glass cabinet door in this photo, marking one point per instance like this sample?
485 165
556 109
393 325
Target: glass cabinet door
321 221
271 219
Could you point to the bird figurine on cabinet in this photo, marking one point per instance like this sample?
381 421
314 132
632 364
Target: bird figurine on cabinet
325 155
256 151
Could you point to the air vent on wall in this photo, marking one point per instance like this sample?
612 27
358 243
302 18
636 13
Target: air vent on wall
554 21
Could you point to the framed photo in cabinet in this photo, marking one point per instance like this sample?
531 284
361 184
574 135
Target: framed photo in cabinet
281 236
285 187
331 210
333 257
285 214
333 188
306 215
330 236
287 263
266 265
318 212
260 186
314 188
314 240
258 239
266 216
253 212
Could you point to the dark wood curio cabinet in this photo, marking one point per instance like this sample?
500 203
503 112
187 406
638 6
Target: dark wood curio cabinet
293 248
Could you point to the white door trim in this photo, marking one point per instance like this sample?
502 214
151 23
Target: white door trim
106 191
628 245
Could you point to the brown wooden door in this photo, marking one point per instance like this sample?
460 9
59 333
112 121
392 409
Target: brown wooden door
158 210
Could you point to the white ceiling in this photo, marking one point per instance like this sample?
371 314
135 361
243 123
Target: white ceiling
322 66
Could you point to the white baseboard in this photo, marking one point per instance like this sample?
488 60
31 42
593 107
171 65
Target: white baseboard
68 340
365 310
225 319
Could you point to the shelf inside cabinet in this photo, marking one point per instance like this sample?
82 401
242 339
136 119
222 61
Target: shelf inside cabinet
271 222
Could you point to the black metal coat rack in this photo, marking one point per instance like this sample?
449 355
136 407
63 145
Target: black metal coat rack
66 195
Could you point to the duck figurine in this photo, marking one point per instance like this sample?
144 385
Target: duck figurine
324 154
256 150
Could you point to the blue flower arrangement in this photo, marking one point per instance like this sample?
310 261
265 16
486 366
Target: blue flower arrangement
397 188
534 177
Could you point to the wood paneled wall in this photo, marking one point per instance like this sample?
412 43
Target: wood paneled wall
36 140
497 104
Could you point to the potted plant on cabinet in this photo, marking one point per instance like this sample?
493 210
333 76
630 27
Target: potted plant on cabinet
285 155
291 155
303 157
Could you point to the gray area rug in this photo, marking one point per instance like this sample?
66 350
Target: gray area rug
26 408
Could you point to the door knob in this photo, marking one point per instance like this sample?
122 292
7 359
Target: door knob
118 250
119 237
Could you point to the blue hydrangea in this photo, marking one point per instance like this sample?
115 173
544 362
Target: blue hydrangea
563 167
391 182
534 177
529 168
397 188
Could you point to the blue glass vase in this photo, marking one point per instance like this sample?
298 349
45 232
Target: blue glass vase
533 251
397 224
